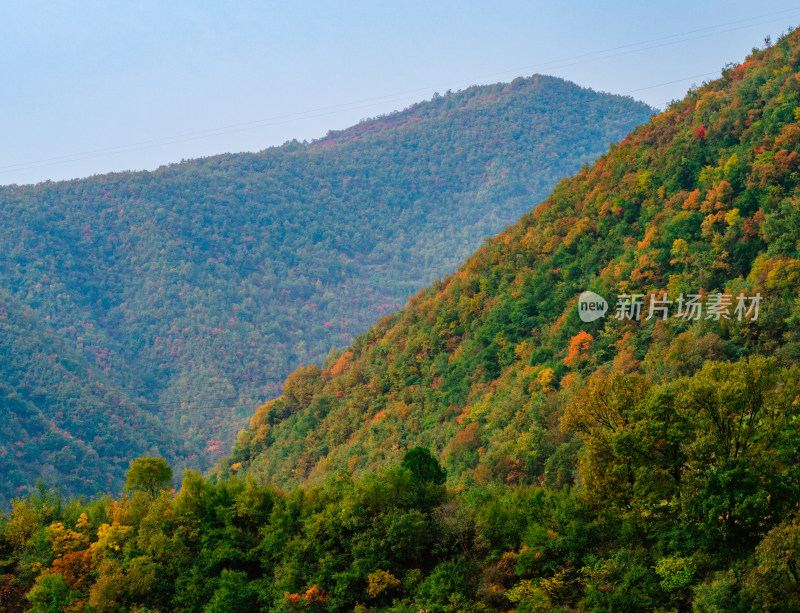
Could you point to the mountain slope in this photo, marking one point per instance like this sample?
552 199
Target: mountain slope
701 200
195 289
60 421
595 463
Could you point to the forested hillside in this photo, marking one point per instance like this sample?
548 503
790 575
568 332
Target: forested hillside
479 367
60 421
701 200
640 461
193 290
645 460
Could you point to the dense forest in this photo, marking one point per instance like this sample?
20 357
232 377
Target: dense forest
484 367
485 449
678 428
44 379
191 292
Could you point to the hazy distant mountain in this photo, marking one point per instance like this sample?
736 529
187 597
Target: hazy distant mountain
60 419
194 290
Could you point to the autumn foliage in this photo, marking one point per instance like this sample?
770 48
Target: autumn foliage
484 449
579 347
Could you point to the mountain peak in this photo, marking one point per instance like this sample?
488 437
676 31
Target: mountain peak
197 288
699 203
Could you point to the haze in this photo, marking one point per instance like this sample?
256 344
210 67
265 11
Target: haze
93 87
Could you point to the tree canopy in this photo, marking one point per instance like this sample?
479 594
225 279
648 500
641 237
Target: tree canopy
422 464
148 474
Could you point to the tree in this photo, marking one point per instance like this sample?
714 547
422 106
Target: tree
50 594
149 474
233 593
420 461
741 474
603 412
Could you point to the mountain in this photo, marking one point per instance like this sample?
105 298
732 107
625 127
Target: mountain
599 411
193 290
62 422
681 422
700 201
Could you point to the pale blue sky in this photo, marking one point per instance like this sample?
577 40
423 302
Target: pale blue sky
97 86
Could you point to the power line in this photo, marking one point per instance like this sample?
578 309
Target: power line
697 76
603 54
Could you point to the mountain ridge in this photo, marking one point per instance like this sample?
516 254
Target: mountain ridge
488 449
196 288
679 206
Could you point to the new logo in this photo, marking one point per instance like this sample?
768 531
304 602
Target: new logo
591 306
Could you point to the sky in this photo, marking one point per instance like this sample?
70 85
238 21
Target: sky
89 87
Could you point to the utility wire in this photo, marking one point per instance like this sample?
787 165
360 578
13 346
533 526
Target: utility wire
602 54
697 76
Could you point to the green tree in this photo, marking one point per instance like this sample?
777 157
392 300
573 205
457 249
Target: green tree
149 474
420 461
50 594
742 471
233 594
